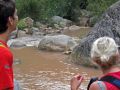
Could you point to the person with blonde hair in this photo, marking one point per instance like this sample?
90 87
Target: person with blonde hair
105 54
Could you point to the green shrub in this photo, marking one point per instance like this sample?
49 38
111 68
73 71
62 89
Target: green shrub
21 24
98 7
28 8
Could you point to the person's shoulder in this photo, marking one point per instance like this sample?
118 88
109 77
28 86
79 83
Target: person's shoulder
97 85
4 49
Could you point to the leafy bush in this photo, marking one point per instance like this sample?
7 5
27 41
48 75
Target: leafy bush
21 24
28 8
97 7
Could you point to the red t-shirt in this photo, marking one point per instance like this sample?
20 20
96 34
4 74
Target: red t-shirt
109 85
6 69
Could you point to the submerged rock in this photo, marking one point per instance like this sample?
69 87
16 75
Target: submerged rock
17 61
109 25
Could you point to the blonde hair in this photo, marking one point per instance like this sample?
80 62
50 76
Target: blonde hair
104 48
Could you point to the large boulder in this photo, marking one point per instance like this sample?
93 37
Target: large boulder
109 25
57 43
61 21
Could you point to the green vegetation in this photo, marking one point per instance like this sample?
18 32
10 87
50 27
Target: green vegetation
97 7
21 24
43 10
29 8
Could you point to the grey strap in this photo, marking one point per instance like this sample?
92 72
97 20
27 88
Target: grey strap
101 85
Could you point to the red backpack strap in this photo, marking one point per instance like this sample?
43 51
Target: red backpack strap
111 79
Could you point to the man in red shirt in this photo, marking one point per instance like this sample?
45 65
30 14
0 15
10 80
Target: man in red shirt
8 20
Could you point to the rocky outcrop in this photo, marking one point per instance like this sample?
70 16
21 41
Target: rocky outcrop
51 43
109 25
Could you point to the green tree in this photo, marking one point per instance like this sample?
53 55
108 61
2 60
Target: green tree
29 8
97 7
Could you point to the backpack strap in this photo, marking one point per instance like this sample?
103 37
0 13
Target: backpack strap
101 86
113 80
110 79
91 81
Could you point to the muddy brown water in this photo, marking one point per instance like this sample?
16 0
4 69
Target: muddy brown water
40 70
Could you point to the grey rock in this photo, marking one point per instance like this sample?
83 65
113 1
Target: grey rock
17 44
17 61
25 41
17 85
61 21
57 43
109 25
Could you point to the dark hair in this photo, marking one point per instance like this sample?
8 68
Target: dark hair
7 9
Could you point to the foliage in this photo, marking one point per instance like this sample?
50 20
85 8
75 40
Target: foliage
43 10
75 8
97 7
21 24
29 8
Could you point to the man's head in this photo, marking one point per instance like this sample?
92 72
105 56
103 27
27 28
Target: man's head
8 15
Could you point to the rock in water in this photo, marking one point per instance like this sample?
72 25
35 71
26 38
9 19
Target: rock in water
57 43
109 25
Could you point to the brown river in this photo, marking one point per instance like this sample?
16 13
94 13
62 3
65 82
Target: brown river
42 70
